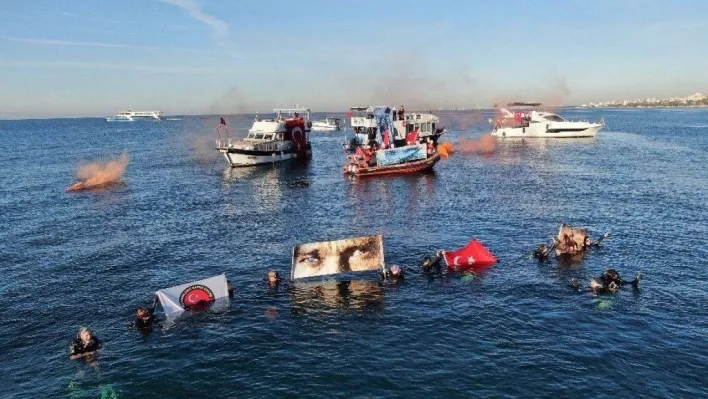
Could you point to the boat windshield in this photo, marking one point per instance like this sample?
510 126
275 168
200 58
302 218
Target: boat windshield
554 118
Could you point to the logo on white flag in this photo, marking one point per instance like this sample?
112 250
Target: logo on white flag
195 295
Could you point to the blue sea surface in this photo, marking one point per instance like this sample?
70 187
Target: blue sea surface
517 330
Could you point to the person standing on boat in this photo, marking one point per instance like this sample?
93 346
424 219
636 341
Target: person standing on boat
401 111
394 113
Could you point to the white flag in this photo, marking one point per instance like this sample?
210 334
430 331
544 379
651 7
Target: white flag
198 293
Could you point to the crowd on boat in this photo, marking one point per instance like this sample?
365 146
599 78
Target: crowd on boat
468 261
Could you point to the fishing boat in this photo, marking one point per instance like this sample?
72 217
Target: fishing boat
132 116
281 138
383 145
538 124
328 124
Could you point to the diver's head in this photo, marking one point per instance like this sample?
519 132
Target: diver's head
396 271
85 334
273 276
612 273
142 313
542 247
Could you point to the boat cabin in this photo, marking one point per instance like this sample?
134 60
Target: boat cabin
273 128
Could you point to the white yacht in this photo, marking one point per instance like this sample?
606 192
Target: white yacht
327 124
364 125
541 124
131 116
281 138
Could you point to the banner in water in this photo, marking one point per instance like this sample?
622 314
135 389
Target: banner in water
570 240
401 154
195 294
341 256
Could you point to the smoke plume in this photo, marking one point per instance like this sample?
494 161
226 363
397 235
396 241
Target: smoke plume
484 145
100 174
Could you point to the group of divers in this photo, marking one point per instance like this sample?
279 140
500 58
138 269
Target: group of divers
86 343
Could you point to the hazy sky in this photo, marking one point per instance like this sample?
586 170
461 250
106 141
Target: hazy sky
95 58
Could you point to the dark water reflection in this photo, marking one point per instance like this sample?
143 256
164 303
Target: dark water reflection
517 329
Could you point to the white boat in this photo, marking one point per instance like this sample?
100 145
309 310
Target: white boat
131 116
327 124
365 126
541 124
282 138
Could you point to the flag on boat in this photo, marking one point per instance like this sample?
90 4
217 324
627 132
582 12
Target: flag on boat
401 154
473 255
195 294
223 122
341 256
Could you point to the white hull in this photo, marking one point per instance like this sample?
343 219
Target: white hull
322 128
236 160
537 131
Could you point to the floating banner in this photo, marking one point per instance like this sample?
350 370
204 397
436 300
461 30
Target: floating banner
570 240
193 295
401 154
473 255
341 256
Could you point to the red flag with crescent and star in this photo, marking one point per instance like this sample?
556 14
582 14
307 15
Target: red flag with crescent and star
474 255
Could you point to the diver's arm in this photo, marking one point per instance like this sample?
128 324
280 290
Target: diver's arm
154 305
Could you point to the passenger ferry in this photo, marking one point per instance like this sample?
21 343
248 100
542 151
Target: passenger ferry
537 124
281 138
131 116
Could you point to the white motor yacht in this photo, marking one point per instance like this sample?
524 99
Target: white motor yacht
541 124
328 124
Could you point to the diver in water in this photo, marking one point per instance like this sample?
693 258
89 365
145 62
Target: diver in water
273 278
85 344
542 252
432 265
230 289
609 282
144 318
395 274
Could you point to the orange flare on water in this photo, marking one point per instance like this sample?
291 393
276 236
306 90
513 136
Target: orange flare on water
99 174
445 149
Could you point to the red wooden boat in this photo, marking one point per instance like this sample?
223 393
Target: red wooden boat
357 166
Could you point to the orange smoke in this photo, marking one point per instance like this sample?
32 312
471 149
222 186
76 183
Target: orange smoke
445 149
484 145
100 174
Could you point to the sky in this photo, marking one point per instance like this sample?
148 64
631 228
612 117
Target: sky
73 58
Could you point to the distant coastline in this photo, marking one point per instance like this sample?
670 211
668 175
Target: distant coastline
695 100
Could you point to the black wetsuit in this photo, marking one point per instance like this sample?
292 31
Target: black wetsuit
79 347
432 265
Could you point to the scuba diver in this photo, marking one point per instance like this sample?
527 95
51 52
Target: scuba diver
273 278
85 344
542 252
144 318
395 274
609 282
432 265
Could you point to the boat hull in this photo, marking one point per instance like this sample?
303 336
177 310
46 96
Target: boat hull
353 169
255 158
531 132
321 128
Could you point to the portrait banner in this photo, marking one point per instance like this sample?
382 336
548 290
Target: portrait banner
340 256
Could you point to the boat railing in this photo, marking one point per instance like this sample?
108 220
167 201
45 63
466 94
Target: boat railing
267 146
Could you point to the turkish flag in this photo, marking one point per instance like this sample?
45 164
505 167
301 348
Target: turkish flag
473 255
